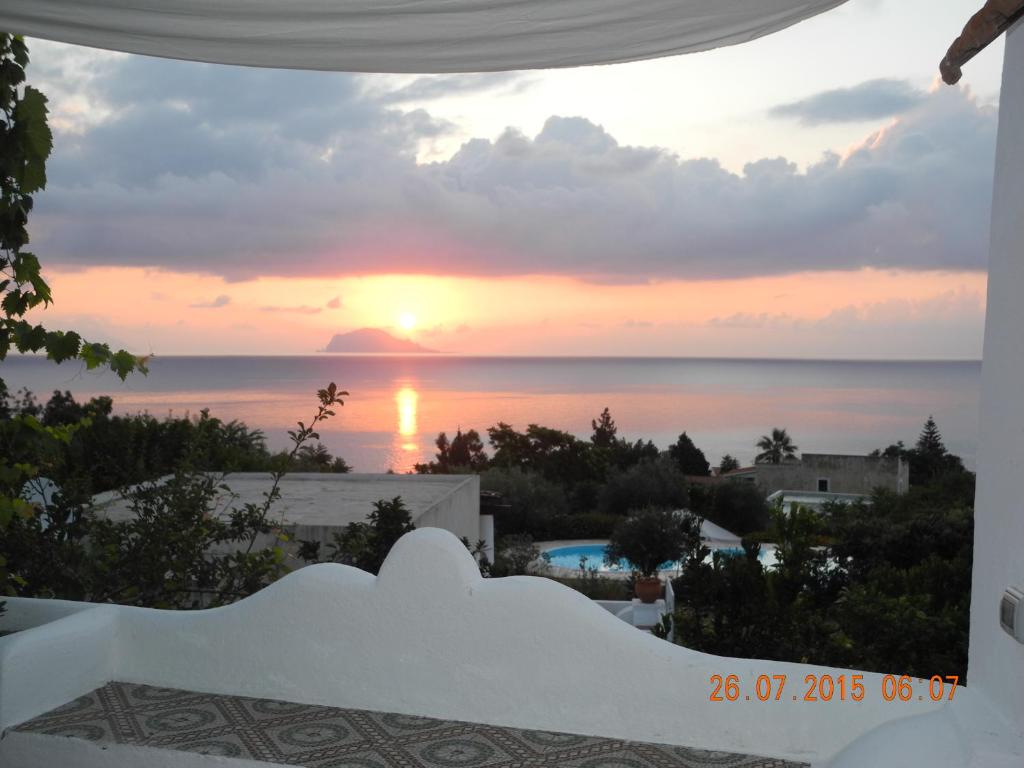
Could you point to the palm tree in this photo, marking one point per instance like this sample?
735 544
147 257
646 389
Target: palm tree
776 448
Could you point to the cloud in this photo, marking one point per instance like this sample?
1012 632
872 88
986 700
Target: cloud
430 87
191 170
299 310
954 309
334 303
870 100
750 320
221 301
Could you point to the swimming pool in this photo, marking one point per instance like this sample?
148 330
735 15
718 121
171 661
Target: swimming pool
569 557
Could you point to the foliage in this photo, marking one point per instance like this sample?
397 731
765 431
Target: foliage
688 457
650 537
26 142
316 458
738 507
533 501
929 459
728 463
465 453
604 430
106 452
881 586
776 448
558 456
590 583
185 543
658 483
479 552
366 545
515 555
25 145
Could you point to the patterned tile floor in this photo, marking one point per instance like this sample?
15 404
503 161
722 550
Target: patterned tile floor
326 737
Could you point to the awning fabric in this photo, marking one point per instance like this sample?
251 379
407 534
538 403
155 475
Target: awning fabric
406 35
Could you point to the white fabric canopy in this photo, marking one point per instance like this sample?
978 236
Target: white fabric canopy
406 35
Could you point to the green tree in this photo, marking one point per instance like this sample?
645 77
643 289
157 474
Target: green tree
650 537
775 448
184 545
738 507
688 457
317 458
464 453
929 459
929 443
559 456
728 464
533 501
658 483
604 430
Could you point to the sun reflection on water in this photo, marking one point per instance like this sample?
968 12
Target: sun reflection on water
407 400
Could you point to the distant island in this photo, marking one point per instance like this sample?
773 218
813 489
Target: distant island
372 340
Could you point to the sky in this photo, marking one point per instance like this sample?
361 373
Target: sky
816 193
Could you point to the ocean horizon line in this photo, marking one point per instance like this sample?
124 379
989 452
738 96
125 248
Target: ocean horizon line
473 356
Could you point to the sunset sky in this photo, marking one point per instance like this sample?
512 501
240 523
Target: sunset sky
815 193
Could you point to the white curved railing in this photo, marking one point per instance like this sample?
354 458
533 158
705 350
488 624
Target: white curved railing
429 636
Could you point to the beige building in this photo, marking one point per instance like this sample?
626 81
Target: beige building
829 473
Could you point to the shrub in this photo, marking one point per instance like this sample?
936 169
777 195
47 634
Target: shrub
366 545
738 507
532 500
597 587
657 483
650 537
515 555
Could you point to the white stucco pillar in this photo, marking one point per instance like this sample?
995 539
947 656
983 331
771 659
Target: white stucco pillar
996 665
487 535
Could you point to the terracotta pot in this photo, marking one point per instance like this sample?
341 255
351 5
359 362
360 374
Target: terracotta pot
647 588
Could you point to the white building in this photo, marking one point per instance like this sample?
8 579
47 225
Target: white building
812 499
315 506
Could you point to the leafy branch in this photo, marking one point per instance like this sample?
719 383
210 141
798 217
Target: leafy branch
25 144
329 398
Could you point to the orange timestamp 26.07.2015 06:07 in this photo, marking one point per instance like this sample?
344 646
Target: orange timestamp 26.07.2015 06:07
826 687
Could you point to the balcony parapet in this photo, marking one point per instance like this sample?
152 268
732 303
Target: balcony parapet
430 637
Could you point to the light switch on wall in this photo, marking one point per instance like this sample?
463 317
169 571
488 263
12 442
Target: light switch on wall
1011 612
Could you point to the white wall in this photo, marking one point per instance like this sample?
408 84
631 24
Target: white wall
54 662
431 637
996 661
458 511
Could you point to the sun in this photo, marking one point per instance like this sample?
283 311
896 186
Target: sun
407 321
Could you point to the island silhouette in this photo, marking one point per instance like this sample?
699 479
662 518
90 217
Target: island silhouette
372 340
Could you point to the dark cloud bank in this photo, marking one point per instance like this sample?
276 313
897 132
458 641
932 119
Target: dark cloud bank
259 172
871 100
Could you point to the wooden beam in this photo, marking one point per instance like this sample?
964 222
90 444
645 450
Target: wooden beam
985 26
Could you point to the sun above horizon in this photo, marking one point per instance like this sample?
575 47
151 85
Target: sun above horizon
407 321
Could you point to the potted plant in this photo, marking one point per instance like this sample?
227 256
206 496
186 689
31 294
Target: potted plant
649 538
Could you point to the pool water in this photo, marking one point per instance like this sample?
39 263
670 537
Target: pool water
569 557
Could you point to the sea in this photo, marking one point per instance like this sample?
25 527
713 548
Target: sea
397 405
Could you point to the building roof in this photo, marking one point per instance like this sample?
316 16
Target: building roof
816 498
309 498
716 533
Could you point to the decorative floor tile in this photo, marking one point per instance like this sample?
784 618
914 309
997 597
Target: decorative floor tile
328 737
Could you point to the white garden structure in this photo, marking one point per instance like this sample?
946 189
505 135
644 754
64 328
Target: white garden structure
429 636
